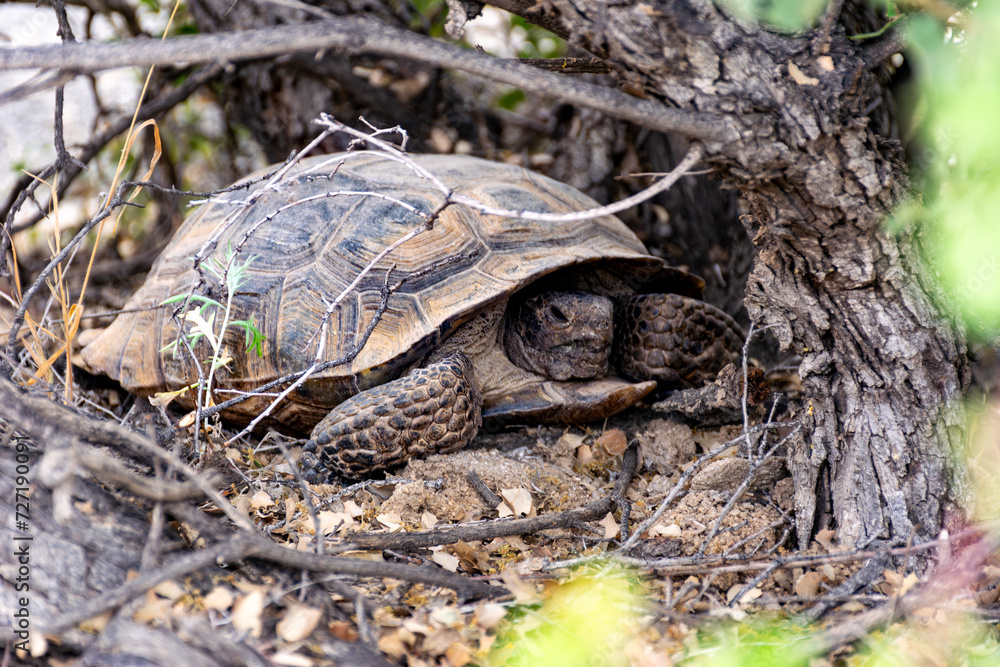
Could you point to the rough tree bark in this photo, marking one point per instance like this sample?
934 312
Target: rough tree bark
883 370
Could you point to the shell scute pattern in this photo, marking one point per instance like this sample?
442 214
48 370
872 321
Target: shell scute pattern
310 251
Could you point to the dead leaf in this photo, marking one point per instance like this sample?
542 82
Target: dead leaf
220 599
458 655
428 520
611 444
331 522
808 585
486 642
445 560
417 626
801 77
154 608
522 590
517 500
260 500
568 443
165 398
394 643
298 623
584 455
664 530
746 598
489 615
291 507
247 612
893 578
473 557
343 631
170 590
408 88
290 659
909 582
95 624
351 508
640 653
988 597
391 521
827 539
611 527
447 617
439 641
783 579
516 542
825 63
234 455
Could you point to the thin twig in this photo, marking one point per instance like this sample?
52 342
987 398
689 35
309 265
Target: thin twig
476 482
821 41
755 464
677 488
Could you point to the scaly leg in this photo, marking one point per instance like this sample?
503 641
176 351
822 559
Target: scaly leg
675 339
435 409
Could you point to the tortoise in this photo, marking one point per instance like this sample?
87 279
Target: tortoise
483 316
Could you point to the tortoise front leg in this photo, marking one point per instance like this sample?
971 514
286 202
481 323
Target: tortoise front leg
435 409
677 340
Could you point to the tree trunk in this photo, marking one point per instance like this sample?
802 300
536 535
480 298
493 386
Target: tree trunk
882 369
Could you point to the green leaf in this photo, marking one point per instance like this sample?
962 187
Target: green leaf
511 99
786 16
254 337
197 298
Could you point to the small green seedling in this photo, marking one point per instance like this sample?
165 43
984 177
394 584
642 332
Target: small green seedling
203 316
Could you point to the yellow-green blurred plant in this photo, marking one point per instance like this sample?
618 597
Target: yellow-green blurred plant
750 643
585 622
958 168
787 16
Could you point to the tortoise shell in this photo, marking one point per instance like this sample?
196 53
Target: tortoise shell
314 230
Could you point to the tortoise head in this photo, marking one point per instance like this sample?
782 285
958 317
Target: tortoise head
561 335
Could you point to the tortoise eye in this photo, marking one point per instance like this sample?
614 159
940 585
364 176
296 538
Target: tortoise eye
557 315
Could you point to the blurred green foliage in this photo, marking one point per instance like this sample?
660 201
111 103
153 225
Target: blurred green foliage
586 621
511 99
786 16
754 642
430 17
958 170
537 42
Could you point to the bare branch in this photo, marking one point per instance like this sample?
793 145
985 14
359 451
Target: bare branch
356 34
